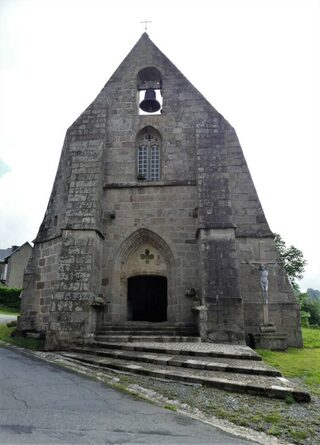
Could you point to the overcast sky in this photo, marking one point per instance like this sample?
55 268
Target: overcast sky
257 62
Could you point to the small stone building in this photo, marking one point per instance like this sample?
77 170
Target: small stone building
14 264
153 216
3 266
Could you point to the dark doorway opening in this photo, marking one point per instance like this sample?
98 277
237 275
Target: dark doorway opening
147 298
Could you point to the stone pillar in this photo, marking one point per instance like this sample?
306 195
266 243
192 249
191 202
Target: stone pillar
72 316
30 296
216 236
220 286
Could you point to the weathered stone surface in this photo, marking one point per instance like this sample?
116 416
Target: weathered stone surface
260 381
201 222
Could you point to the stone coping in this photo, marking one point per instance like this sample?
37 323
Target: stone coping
145 183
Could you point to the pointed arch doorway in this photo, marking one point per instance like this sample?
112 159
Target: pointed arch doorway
146 255
147 298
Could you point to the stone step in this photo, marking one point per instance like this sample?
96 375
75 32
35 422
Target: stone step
143 325
196 349
149 328
185 361
148 325
159 332
274 387
113 338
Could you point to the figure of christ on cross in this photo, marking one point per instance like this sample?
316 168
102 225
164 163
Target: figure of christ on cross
264 284
264 273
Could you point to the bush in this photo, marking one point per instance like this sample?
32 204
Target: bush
304 319
310 310
10 298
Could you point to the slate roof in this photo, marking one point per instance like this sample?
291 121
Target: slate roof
4 253
7 253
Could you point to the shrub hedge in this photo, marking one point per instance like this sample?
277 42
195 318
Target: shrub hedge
10 298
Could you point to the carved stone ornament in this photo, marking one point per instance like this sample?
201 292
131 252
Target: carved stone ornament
147 256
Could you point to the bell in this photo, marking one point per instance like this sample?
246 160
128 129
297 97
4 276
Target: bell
150 103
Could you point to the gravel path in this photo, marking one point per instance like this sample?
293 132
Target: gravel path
296 423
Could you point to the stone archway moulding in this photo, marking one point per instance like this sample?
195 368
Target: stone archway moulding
127 264
142 236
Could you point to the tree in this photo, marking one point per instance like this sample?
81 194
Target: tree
294 265
292 261
312 307
310 310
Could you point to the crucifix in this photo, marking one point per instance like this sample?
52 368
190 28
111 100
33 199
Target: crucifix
146 24
264 284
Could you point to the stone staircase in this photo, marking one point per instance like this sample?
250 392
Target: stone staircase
147 332
174 352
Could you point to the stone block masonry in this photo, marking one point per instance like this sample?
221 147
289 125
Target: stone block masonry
192 226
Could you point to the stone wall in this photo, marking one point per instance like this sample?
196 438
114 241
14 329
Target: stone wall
284 311
39 284
247 212
220 284
202 221
163 218
72 312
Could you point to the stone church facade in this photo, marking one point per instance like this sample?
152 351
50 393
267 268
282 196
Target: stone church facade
153 216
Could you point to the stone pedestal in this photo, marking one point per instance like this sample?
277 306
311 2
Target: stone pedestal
267 328
269 338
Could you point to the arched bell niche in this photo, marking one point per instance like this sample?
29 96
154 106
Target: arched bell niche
144 275
149 86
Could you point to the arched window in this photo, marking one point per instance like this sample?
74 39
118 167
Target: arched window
149 154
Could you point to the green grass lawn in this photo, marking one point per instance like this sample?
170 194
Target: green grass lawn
303 363
5 332
8 311
311 337
24 342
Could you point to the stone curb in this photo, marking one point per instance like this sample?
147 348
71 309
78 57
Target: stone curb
272 391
